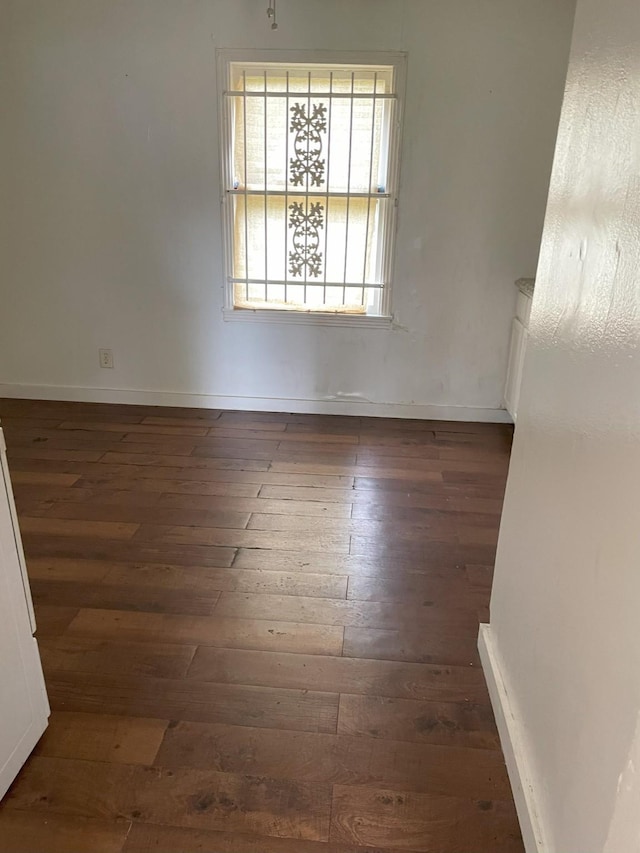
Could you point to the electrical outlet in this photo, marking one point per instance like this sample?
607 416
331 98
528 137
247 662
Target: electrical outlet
106 357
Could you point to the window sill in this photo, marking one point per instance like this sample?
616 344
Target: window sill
305 318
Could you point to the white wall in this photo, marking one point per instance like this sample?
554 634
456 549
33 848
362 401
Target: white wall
565 617
114 228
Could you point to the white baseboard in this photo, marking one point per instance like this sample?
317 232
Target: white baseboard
314 406
513 745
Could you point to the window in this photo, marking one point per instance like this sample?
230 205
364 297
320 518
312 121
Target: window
310 172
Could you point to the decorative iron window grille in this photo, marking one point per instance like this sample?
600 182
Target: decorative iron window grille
310 166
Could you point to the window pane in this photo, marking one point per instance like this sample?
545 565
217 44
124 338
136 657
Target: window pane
316 246
308 184
310 140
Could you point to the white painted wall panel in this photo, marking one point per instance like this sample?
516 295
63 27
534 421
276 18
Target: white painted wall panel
112 197
564 609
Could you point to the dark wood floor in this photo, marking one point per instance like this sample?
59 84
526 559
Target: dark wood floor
258 632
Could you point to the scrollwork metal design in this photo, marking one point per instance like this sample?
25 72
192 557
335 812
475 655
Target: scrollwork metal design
307 167
307 163
306 226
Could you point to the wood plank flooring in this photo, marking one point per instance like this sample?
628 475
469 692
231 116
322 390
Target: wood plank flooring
258 632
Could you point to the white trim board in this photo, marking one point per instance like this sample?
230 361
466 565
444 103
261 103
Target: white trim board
314 406
513 745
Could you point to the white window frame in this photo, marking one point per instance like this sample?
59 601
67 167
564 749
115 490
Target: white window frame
224 60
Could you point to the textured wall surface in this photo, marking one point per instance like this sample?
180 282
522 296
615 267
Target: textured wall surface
564 612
